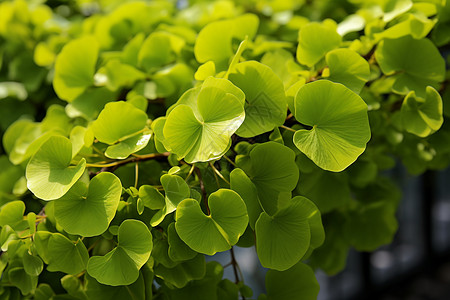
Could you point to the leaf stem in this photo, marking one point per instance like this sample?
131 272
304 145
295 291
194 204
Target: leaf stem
128 160
230 161
190 172
288 128
218 173
202 187
136 174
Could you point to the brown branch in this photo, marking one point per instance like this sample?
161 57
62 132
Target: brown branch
135 158
235 265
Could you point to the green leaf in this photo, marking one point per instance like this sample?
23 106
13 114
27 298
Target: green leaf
158 50
392 9
73 287
75 67
422 116
11 214
41 239
334 192
121 265
66 256
115 75
182 273
349 68
49 173
266 104
178 250
203 288
340 125
272 170
200 126
19 278
23 138
314 41
32 264
89 104
118 121
296 283
43 292
13 89
417 26
88 210
214 41
151 197
283 239
241 184
176 190
422 66
97 291
216 232
130 145
371 225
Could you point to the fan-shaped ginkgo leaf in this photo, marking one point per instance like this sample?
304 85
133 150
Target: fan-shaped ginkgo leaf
349 68
49 173
422 66
75 67
216 232
201 124
266 103
340 126
283 239
88 210
121 265
422 116
315 40
118 121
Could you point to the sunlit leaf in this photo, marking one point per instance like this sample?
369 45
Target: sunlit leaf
340 126
75 67
49 173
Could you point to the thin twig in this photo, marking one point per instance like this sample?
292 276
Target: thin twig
128 160
236 270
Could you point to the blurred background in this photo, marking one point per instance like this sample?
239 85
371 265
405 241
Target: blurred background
415 266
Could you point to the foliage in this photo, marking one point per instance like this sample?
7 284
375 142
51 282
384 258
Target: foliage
140 137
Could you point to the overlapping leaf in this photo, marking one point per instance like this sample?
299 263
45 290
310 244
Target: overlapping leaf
75 67
422 116
201 124
315 40
422 66
265 105
121 265
214 42
272 169
176 190
284 238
